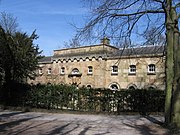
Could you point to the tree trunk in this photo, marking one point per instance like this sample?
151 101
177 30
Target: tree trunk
172 106
176 83
169 74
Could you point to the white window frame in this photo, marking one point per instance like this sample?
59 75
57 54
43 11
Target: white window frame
49 71
151 68
40 71
132 69
62 70
90 70
75 73
114 70
114 85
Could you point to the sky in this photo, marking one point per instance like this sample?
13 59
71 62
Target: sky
52 20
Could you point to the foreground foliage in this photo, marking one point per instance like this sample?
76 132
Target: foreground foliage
63 97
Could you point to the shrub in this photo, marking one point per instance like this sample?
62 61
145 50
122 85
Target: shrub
66 97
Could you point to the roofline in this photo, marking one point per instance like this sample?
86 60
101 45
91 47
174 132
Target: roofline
145 46
86 47
136 56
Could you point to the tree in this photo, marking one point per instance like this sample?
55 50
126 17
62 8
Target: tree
154 37
120 19
19 56
74 42
8 22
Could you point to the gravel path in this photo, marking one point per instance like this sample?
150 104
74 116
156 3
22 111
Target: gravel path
33 123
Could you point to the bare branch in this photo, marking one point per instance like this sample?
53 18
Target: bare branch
141 12
177 5
160 1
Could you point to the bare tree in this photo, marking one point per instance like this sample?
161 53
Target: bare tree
154 37
8 22
118 19
74 42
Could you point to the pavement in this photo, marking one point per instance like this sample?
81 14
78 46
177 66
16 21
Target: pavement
36 123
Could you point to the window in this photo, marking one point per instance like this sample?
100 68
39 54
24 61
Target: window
40 71
151 88
62 71
132 88
90 70
132 69
89 86
75 71
151 68
114 70
49 71
114 86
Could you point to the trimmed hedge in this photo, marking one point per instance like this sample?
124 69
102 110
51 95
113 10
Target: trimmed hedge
65 97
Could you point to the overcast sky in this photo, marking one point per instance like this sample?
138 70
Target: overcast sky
51 18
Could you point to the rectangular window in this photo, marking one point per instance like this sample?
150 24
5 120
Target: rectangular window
114 70
62 71
151 69
90 70
40 71
49 71
132 69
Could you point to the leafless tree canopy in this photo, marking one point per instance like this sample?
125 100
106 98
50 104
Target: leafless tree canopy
125 19
74 42
154 37
8 22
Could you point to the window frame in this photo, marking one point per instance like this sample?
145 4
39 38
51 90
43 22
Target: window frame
90 70
151 69
114 85
114 70
131 68
40 71
75 73
49 72
62 70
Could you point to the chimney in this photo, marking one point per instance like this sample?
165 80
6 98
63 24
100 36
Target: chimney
105 40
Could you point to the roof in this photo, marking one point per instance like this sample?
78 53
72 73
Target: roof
46 59
88 46
137 51
147 50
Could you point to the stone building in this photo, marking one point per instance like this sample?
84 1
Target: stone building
105 66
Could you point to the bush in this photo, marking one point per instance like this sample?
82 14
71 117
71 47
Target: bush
66 97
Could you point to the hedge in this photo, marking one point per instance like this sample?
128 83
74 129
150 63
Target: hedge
65 97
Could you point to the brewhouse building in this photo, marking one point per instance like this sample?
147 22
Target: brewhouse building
105 66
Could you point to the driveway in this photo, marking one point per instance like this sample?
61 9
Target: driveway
33 123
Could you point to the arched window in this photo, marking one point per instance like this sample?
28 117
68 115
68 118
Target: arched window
90 70
89 86
132 69
48 83
152 88
151 68
114 86
75 71
132 87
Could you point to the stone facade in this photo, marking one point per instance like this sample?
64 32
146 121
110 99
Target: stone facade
105 66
